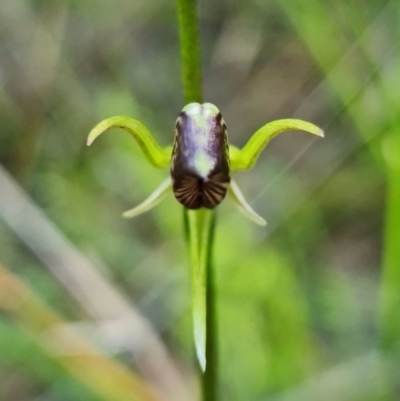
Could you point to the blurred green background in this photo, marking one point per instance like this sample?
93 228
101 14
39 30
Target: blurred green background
308 307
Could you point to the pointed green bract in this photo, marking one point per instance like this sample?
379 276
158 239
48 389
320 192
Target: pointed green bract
158 156
245 158
200 222
153 200
244 208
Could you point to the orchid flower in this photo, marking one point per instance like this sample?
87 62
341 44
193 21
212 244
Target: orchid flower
201 163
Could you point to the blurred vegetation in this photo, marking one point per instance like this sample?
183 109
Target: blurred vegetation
308 308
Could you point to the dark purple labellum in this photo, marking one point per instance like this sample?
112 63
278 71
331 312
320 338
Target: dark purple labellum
200 157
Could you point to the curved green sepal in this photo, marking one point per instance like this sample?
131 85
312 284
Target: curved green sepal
157 156
200 222
153 200
244 208
245 158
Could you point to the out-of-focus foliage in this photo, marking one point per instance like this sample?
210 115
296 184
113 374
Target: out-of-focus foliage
299 303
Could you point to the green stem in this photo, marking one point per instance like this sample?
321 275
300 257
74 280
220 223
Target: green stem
390 285
209 378
199 224
190 50
391 261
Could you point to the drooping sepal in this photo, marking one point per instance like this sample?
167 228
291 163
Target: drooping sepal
153 200
244 208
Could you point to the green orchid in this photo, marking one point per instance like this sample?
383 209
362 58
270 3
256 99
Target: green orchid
201 162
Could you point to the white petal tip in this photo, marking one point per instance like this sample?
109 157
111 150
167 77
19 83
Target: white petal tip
255 218
127 215
243 206
153 200
202 360
200 343
321 134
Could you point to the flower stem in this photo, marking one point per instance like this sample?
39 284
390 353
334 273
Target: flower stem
209 378
190 50
192 92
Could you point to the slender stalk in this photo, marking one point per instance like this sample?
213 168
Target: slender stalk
390 285
391 261
190 50
209 378
200 252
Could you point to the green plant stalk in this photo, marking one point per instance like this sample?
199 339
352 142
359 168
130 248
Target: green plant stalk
390 285
190 51
390 330
209 378
200 223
